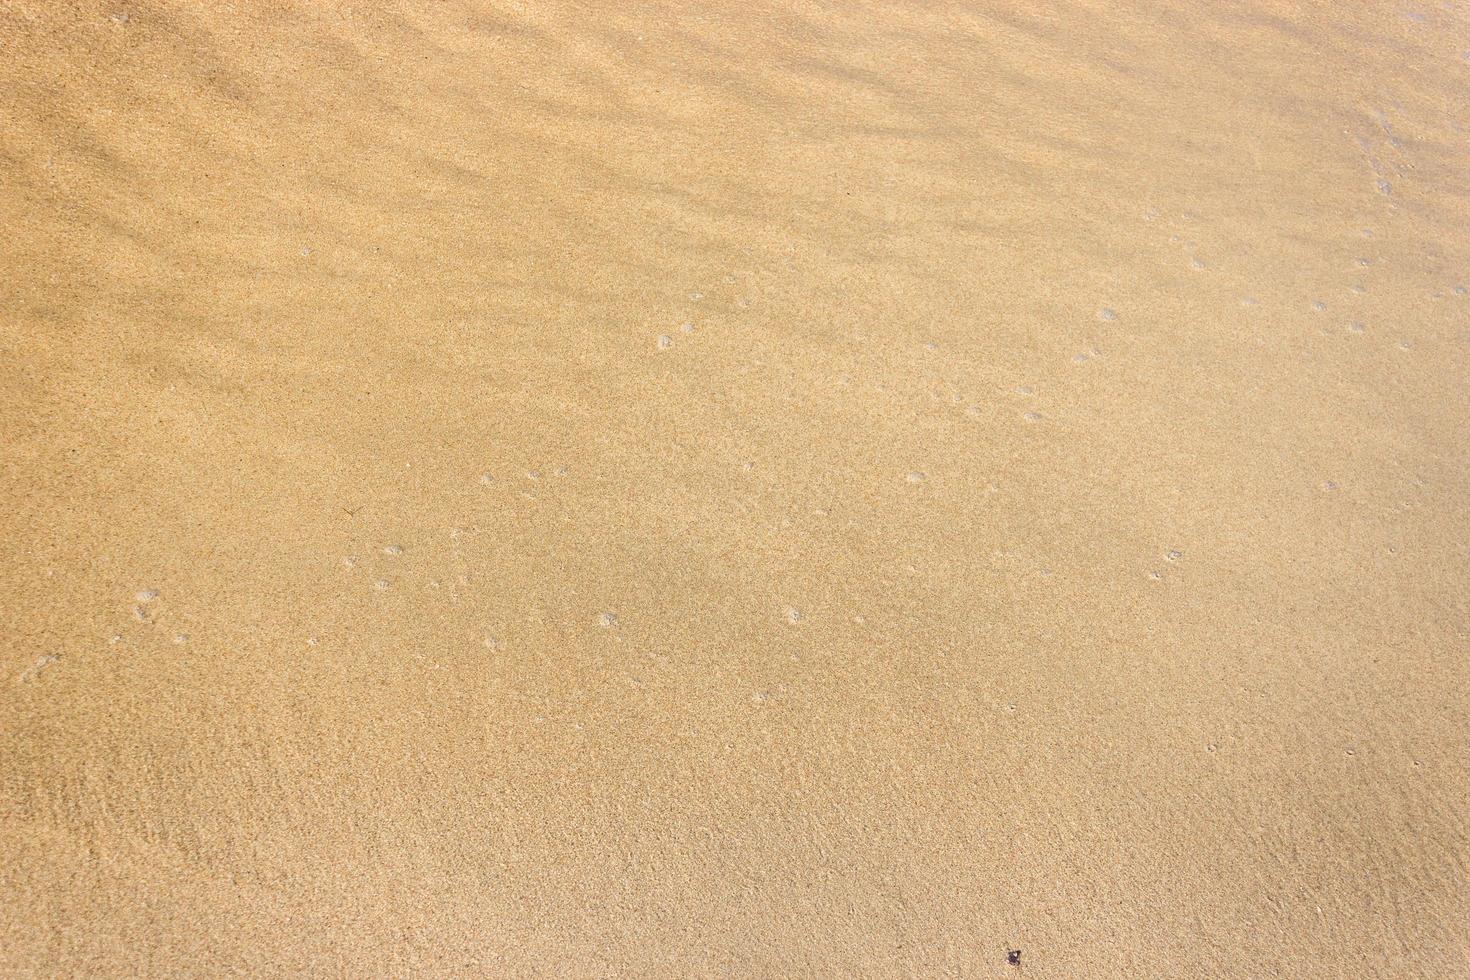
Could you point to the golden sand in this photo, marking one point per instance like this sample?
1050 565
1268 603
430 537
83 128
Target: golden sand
751 490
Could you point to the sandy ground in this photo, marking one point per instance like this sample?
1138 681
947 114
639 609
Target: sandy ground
735 490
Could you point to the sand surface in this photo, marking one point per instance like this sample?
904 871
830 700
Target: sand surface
747 490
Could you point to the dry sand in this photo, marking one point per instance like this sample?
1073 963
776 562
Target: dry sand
735 490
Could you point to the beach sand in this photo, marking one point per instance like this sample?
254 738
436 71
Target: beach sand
750 490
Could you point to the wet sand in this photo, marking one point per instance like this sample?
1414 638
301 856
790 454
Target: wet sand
735 490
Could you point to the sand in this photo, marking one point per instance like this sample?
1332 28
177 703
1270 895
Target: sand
776 490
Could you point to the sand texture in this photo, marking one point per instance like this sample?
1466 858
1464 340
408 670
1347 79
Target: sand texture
535 489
